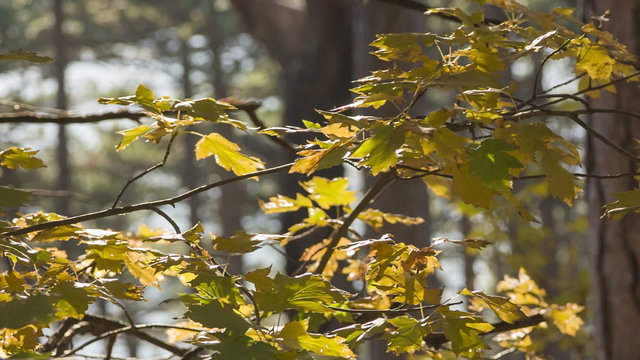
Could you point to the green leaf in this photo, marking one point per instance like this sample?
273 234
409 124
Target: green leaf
215 314
239 243
232 347
216 287
305 293
131 135
295 336
16 313
15 157
25 56
492 163
379 150
12 197
407 338
74 300
463 328
227 154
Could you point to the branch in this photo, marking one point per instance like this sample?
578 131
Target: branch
384 180
119 327
436 340
250 108
426 172
604 139
34 118
390 311
142 206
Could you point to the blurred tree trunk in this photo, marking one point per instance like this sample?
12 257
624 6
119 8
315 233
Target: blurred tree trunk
405 197
60 65
614 245
190 174
314 49
233 195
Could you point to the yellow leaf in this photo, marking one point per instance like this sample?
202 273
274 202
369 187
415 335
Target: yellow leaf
566 318
227 154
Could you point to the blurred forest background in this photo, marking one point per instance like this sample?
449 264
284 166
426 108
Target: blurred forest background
293 56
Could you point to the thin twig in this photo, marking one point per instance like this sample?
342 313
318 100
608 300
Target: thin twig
384 180
135 330
390 311
564 83
141 206
250 107
175 226
154 167
544 61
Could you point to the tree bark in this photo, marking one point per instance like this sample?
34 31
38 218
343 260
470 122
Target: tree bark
614 245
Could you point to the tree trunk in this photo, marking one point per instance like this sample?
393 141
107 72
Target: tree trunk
190 174
60 65
614 245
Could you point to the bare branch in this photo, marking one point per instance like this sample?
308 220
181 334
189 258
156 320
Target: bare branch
142 206
119 328
29 117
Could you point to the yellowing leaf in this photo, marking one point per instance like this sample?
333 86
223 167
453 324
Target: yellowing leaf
15 157
562 184
471 188
240 242
315 160
26 56
566 318
329 192
628 202
522 290
506 310
376 218
596 61
146 275
227 154
280 204
130 135
295 336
